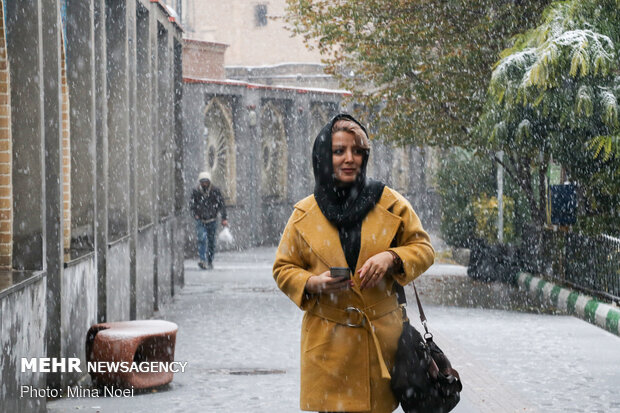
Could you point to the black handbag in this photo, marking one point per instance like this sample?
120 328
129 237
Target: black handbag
423 379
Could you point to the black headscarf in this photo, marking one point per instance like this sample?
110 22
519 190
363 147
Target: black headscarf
343 206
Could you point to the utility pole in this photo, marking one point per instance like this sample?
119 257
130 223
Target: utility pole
500 198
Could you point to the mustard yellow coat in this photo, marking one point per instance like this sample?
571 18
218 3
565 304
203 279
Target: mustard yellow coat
340 369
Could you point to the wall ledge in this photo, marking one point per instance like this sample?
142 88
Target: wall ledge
85 257
12 281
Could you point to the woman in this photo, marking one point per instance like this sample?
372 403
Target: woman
350 327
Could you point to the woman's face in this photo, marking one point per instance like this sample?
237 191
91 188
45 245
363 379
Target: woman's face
347 157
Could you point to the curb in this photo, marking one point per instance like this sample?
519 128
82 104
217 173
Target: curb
583 306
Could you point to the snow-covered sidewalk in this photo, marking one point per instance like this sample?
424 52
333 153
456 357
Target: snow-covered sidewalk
240 337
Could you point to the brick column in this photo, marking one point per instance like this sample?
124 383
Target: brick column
6 190
66 153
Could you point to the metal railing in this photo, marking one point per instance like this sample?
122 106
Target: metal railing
587 263
593 264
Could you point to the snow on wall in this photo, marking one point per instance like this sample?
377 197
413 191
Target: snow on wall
22 334
178 257
117 274
144 273
164 263
78 310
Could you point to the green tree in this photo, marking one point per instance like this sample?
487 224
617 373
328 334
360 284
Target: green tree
424 63
462 179
467 181
554 95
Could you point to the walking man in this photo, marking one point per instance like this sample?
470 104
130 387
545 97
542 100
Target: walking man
205 204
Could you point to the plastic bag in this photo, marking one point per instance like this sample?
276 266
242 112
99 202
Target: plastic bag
226 236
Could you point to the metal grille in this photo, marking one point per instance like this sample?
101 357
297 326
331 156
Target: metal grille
593 263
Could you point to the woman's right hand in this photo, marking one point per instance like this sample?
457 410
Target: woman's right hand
324 283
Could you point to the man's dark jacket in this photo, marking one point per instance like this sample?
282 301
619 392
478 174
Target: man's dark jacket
206 204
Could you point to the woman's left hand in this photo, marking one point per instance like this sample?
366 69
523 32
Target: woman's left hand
374 269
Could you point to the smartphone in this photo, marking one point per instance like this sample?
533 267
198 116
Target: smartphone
343 272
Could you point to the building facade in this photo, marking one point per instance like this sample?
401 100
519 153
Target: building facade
254 31
256 140
90 177
102 137
259 48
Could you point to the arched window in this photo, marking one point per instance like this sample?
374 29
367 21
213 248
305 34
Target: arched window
219 158
320 114
274 153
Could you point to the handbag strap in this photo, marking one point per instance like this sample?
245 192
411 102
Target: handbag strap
402 300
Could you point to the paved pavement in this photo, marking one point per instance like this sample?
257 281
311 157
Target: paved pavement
240 337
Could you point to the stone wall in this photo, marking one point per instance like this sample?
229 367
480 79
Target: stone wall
22 335
256 141
79 289
90 170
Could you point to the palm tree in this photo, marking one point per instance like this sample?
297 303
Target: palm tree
554 95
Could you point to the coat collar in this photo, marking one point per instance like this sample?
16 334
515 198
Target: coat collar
320 234
378 230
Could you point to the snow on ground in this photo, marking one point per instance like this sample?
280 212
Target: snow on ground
240 337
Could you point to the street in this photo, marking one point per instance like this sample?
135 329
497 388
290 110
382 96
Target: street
240 337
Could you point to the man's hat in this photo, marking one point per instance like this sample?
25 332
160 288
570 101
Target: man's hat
204 176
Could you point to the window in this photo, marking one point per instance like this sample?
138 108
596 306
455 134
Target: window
260 15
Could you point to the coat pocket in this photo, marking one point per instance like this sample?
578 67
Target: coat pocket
316 331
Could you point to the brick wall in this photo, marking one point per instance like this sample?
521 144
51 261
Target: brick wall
203 60
6 192
66 155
